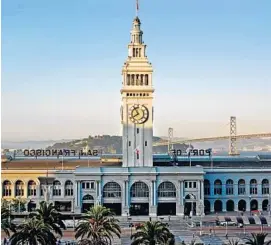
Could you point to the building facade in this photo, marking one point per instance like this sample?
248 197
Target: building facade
144 184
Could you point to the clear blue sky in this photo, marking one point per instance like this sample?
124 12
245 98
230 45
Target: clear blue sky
61 65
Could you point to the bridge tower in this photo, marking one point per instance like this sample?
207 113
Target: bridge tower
170 139
233 138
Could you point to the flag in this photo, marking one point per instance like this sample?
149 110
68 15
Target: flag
137 150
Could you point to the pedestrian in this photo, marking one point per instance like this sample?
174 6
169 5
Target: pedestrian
5 241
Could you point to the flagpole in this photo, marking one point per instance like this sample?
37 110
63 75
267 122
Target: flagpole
137 7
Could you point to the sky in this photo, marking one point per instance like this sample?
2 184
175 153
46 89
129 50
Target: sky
62 60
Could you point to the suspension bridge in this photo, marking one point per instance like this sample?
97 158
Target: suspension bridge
232 137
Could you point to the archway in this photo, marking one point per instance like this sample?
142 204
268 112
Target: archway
190 205
166 199
242 205
207 207
112 197
87 203
265 205
31 206
253 205
218 206
139 194
230 205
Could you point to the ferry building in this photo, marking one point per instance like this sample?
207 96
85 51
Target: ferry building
142 183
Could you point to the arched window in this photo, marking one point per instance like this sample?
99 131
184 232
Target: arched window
241 187
218 187
68 188
206 187
32 188
146 80
141 79
137 79
229 187
265 186
112 190
253 187
19 188
56 188
132 79
139 189
128 80
88 198
166 189
6 188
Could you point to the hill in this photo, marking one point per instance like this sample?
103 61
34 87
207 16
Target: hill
107 143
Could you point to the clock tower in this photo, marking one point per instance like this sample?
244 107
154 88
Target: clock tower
137 103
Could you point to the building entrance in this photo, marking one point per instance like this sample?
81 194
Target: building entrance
166 208
139 209
115 207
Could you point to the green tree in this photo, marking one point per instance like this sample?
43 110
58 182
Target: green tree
233 242
98 227
48 214
6 219
34 232
152 233
18 204
257 239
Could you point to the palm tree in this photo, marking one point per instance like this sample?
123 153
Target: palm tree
257 239
151 233
6 224
98 227
34 232
48 214
233 242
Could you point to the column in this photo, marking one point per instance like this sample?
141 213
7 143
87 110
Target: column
38 191
151 194
202 190
127 193
154 193
198 197
182 192
78 193
62 189
125 199
153 207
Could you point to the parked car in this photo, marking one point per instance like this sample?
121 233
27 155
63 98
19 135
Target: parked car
229 223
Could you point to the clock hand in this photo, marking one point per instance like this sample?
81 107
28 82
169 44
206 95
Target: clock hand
137 113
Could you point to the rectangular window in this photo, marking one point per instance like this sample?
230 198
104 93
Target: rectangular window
87 185
146 143
185 184
195 184
91 185
83 185
129 143
190 184
137 130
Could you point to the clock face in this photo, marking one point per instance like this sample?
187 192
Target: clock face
138 114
